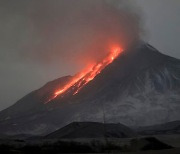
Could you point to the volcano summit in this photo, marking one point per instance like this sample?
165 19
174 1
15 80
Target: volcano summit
140 87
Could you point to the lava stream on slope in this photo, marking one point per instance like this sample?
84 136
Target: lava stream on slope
84 77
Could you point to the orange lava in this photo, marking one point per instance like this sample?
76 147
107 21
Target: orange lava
88 74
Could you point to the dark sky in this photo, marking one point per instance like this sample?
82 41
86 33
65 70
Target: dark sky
32 34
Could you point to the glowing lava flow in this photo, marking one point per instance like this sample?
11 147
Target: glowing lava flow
82 78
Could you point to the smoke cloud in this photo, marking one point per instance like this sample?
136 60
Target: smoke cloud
78 32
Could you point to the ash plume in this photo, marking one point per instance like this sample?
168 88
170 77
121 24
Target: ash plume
79 32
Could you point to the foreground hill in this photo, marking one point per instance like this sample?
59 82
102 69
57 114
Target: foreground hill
92 130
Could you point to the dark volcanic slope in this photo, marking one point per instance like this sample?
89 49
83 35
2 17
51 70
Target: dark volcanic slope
141 87
166 128
29 111
92 130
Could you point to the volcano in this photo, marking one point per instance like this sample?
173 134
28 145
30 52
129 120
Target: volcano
140 87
